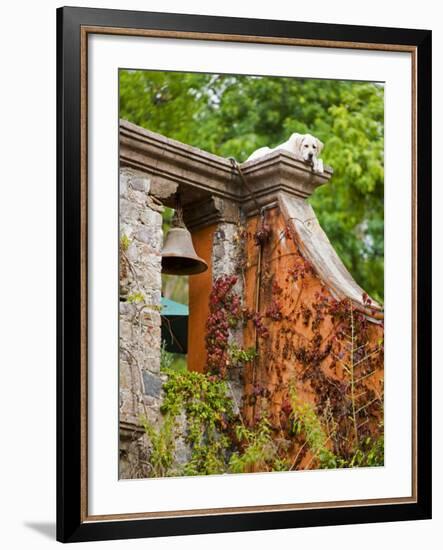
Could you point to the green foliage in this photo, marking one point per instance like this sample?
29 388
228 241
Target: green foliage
232 115
258 450
172 361
162 442
167 216
135 298
175 288
125 241
306 422
207 458
372 456
370 453
240 356
179 362
166 358
206 403
199 408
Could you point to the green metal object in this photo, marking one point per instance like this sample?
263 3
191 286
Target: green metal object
174 328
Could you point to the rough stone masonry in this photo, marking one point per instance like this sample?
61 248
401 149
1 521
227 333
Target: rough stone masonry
140 380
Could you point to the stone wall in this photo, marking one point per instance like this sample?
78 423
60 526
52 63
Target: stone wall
140 387
141 381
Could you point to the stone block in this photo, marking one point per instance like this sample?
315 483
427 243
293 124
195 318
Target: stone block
138 197
132 252
140 184
152 384
129 212
151 218
152 362
126 229
123 184
156 296
128 310
147 235
125 330
140 333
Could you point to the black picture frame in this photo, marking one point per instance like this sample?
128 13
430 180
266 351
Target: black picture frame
72 525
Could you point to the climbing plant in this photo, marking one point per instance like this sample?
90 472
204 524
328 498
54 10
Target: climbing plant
197 408
331 432
330 349
225 313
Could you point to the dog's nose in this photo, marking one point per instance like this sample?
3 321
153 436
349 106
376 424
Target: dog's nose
310 156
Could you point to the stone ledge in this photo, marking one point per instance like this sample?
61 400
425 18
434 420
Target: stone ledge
278 172
169 161
204 175
130 429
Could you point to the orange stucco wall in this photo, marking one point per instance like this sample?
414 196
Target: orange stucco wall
278 365
199 290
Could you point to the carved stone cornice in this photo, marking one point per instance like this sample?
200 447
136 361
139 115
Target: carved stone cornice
168 161
210 211
275 173
203 177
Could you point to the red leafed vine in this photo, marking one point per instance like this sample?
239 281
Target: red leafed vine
327 349
224 313
315 370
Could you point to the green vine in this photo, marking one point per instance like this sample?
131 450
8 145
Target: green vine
207 406
162 440
258 451
218 439
339 426
241 356
306 423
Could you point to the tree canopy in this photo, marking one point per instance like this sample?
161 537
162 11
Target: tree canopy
232 115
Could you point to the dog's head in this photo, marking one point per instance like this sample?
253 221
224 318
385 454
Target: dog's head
306 146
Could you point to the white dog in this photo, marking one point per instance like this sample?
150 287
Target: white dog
303 146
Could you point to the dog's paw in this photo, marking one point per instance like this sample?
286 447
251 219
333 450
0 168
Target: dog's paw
318 166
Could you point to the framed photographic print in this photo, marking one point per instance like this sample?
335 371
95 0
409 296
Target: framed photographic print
244 274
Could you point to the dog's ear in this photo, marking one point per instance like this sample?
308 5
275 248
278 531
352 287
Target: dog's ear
320 146
297 140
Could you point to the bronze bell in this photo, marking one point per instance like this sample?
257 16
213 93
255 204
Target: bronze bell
178 254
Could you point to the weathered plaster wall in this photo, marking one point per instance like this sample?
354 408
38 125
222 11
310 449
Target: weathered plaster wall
295 351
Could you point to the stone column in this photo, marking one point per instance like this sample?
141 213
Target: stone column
228 255
140 322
